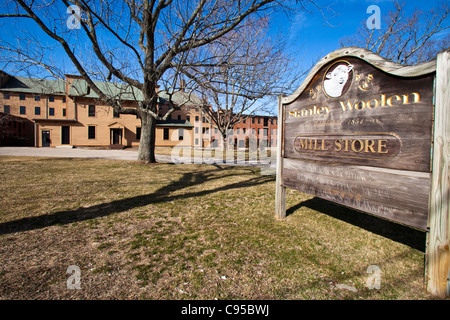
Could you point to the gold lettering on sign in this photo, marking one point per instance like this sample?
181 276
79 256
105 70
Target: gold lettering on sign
364 82
361 145
371 146
312 111
379 146
383 101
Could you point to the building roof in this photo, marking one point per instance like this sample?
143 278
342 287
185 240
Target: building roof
80 88
36 86
174 123
181 98
120 91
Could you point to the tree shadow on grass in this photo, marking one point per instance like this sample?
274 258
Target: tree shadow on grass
411 237
162 195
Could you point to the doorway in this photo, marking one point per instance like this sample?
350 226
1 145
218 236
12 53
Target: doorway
116 136
65 135
46 138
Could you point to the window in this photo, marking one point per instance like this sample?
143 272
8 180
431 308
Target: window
166 134
6 96
266 122
243 130
22 96
64 99
138 133
238 131
37 111
51 111
259 120
196 118
51 99
180 134
23 110
91 110
6 109
196 129
188 118
196 141
37 98
265 132
91 132
64 112
253 120
179 117
116 114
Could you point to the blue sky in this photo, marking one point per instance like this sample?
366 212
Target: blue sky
313 36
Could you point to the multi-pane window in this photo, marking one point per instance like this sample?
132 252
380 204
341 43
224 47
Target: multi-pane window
22 96
166 134
91 110
23 110
51 111
64 112
91 132
37 111
51 99
138 133
6 96
37 98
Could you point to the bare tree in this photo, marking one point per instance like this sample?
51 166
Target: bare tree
242 74
244 67
141 44
406 39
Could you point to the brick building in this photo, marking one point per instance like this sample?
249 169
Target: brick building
52 113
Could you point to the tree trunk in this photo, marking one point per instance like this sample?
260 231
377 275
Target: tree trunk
147 143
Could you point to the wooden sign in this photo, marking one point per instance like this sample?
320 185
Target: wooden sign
359 132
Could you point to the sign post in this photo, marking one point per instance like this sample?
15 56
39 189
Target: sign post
438 254
374 136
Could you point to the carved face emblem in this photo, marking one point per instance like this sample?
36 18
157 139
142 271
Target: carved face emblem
337 79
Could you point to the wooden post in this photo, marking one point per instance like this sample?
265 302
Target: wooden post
438 254
280 191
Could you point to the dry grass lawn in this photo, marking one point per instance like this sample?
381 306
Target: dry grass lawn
165 231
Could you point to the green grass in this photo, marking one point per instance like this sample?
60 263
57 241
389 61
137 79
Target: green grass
167 231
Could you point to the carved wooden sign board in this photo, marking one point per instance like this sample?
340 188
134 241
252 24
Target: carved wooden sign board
359 132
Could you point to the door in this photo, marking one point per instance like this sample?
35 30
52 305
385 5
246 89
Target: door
116 136
46 138
65 135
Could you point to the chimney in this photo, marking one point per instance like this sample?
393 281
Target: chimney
3 78
183 85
